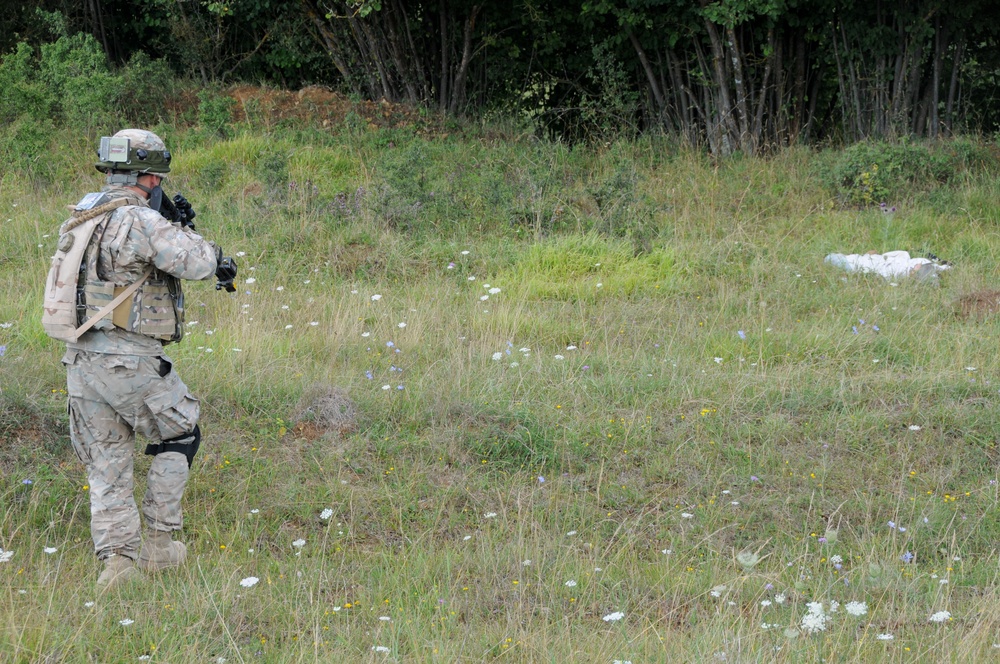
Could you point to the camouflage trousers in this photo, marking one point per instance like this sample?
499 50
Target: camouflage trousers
111 398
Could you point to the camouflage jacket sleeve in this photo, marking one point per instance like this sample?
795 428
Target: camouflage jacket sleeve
139 236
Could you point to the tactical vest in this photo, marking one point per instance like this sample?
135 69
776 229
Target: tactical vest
155 310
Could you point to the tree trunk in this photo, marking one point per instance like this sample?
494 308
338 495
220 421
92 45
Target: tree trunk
458 94
654 87
956 66
727 123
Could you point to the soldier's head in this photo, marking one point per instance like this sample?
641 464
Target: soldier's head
132 153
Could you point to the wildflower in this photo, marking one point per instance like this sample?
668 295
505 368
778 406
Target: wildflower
251 280
765 602
380 649
313 323
366 334
754 478
718 360
885 637
560 357
88 604
125 622
570 584
836 560
384 618
747 558
50 550
907 557
249 582
717 591
541 479
813 622
497 356
856 608
3 350
5 556
401 325
779 598
940 617
255 511
687 515
526 563
467 538
299 543
915 427
742 334
494 291
27 482
386 387
571 533
326 514
376 297
814 607
465 252
490 515
613 617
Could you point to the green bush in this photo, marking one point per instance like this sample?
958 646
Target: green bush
867 174
146 86
23 93
75 71
215 112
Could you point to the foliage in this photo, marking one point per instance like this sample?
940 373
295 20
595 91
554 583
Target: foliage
868 174
215 111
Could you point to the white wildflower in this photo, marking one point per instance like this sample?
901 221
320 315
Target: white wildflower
380 649
251 280
376 297
384 618
125 622
299 543
765 602
717 591
50 550
490 515
915 427
497 356
836 560
401 325
560 357
326 514
88 604
885 637
687 515
780 598
570 584
613 617
813 622
249 582
494 291
940 617
856 608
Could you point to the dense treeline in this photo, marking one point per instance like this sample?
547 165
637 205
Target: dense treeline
730 74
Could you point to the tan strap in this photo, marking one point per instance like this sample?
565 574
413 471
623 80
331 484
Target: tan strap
109 307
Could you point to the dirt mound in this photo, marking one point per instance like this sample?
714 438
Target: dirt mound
979 304
324 409
318 106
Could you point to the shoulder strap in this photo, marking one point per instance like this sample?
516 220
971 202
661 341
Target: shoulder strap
109 307
86 215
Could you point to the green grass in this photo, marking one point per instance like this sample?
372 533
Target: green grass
637 446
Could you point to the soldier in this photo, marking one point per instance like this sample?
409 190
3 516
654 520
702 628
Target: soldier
119 379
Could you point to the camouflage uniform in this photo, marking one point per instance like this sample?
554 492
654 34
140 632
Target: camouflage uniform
121 382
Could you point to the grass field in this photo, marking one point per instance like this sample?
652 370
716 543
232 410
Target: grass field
481 397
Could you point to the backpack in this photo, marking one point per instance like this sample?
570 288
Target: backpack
61 312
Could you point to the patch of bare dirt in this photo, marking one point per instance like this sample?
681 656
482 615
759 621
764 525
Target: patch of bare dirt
980 304
315 105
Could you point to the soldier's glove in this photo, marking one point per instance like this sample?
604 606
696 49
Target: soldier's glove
225 272
185 213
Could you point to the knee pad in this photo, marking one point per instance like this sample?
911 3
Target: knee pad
187 444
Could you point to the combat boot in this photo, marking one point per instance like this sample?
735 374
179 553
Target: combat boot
160 552
117 570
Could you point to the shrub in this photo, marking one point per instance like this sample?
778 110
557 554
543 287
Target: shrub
867 174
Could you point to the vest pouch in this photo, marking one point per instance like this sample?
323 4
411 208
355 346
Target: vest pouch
97 294
157 317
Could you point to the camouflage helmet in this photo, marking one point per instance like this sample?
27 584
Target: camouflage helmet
140 152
